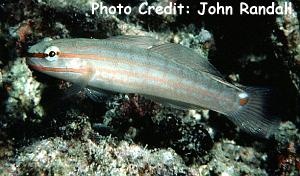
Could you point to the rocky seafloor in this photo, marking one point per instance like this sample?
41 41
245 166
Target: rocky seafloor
44 134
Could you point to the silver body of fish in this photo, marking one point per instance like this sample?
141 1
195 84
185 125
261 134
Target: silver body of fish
167 72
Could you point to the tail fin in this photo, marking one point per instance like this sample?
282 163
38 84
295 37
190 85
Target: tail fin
256 116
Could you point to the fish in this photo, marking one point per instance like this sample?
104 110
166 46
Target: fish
166 72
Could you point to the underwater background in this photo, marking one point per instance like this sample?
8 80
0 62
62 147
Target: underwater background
42 133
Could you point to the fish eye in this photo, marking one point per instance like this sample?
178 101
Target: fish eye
52 53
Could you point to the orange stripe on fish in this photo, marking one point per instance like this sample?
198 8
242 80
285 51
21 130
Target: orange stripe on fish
51 69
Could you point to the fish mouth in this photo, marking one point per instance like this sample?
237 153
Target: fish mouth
38 68
35 64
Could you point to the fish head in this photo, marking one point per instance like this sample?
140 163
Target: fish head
49 57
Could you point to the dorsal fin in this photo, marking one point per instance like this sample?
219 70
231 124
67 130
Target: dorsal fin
186 57
145 42
223 81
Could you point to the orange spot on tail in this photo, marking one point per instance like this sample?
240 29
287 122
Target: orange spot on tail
243 101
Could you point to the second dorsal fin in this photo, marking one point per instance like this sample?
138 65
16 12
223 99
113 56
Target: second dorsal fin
186 57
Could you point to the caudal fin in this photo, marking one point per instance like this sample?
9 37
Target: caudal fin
256 116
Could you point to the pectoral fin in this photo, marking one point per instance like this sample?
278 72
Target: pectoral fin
80 84
97 95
